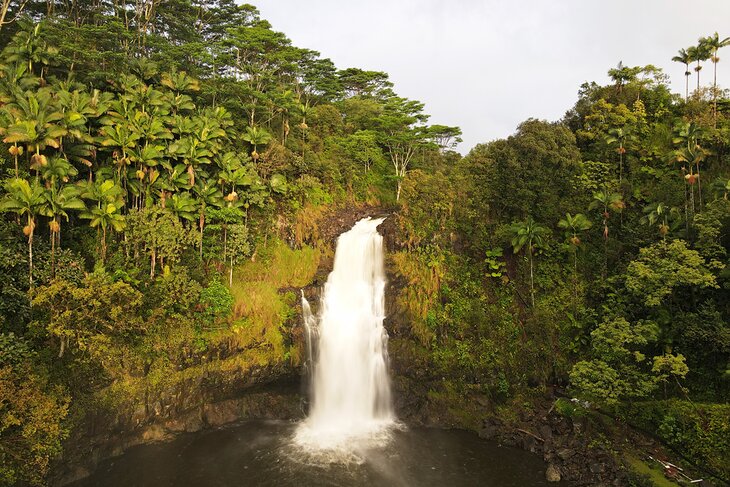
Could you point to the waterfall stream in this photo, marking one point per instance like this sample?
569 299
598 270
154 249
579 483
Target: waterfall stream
347 346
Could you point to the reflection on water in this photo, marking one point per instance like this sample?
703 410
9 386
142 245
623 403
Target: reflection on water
262 453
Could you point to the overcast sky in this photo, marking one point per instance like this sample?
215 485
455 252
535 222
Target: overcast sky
488 65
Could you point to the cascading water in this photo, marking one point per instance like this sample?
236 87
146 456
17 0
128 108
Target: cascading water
350 384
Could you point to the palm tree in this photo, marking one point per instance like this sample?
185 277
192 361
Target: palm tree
145 157
606 201
35 117
184 206
623 75
656 212
256 136
698 54
573 225
28 47
179 81
208 195
684 58
107 211
690 152
101 191
193 153
714 43
24 198
530 235
120 137
56 206
619 136
106 216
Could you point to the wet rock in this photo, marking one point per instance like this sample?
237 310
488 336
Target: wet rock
155 433
552 473
565 453
489 432
546 432
221 413
188 423
597 468
529 444
75 473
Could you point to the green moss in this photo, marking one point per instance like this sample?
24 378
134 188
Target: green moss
456 400
654 476
280 266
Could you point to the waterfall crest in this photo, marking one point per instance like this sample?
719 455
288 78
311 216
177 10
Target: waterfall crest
350 384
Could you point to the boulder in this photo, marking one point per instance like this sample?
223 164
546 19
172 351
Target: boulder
552 473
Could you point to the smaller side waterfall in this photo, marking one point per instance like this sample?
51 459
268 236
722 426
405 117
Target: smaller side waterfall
347 344
310 328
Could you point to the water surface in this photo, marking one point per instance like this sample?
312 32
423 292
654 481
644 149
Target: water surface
263 453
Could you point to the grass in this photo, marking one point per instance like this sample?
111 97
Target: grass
656 476
280 266
260 309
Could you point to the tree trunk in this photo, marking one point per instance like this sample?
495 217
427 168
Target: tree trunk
532 282
397 192
697 68
714 101
230 274
686 209
225 241
53 254
620 165
103 245
202 226
153 262
575 280
699 185
30 253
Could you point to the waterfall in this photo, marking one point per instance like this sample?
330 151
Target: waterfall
350 384
310 328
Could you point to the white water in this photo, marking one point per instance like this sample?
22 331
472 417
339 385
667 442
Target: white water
350 386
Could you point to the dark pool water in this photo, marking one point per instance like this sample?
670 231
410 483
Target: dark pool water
261 453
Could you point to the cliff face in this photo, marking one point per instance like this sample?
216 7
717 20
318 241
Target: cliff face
212 395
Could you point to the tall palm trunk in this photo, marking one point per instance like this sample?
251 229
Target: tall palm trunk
201 223
53 254
153 262
699 184
620 163
532 281
30 251
686 208
686 81
698 68
575 280
715 60
103 244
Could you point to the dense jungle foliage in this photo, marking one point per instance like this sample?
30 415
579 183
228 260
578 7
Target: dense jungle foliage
167 164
